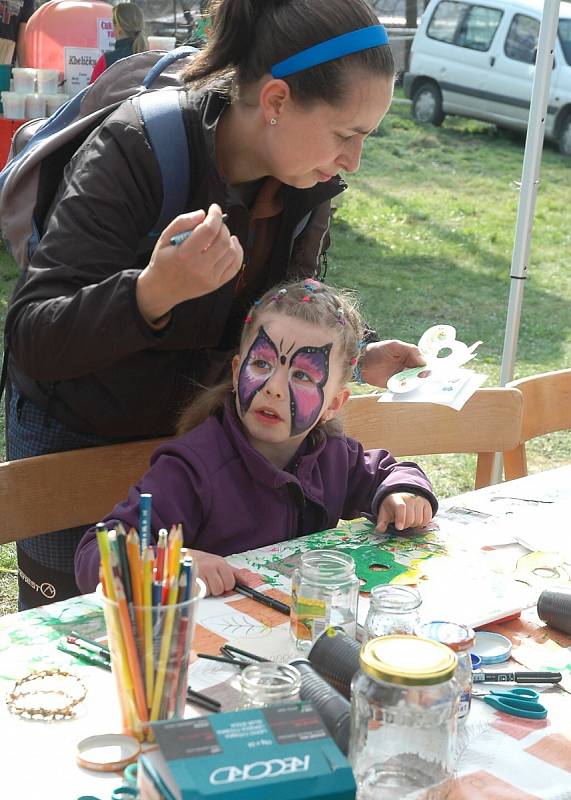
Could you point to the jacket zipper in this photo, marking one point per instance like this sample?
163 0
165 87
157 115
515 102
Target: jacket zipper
296 493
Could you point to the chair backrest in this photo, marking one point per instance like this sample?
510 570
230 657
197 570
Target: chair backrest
489 423
546 408
65 490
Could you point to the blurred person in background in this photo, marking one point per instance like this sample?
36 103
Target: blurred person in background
128 23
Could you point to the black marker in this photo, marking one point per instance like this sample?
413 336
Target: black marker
277 605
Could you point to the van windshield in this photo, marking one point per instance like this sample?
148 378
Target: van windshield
565 38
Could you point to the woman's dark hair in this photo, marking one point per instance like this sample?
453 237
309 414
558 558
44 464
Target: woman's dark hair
309 301
249 36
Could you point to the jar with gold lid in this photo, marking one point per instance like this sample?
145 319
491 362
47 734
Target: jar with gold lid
404 703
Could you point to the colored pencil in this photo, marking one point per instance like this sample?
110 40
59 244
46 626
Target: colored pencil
121 539
161 550
121 674
131 649
174 543
148 560
164 650
145 511
136 569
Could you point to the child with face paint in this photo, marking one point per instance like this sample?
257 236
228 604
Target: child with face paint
263 458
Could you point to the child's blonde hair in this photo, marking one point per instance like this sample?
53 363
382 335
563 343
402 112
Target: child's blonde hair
309 301
129 18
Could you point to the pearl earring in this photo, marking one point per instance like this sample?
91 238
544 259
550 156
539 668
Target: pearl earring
273 121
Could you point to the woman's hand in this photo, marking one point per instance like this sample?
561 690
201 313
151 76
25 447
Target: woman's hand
406 510
381 360
201 264
218 575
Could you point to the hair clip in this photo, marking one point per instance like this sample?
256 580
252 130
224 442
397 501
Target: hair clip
248 319
340 314
257 302
277 297
311 284
354 361
306 299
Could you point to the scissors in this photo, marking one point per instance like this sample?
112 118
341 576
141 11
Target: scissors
519 702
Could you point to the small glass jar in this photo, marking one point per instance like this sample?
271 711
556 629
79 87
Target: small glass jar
460 639
393 609
404 703
267 683
324 593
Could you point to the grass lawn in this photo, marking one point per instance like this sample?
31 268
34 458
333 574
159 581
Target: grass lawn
425 235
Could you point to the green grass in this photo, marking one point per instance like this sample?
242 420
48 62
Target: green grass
425 234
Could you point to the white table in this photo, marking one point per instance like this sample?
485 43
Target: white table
523 759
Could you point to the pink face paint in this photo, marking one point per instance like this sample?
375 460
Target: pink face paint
308 374
257 368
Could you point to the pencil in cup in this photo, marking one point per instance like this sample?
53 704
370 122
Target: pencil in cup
163 658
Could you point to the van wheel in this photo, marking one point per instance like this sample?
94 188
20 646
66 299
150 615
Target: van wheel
427 104
565 137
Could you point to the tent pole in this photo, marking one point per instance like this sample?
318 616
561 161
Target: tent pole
528 193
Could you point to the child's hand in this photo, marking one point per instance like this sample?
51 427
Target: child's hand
406 510
218 575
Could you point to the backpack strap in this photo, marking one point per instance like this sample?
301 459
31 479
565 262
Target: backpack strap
164 124
165 61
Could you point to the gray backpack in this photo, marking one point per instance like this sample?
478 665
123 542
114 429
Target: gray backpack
41 148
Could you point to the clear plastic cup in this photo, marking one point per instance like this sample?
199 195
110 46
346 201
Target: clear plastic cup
35 106
24 80
47 80
150 658
14 105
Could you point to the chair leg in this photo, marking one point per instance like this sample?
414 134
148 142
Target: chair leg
515 463
484 470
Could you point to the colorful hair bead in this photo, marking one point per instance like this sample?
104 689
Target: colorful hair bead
311 284
305 299
248 319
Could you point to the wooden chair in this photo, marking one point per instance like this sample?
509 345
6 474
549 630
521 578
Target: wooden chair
489 423
546 408
65 490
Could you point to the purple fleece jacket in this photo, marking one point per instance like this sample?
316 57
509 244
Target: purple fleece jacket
229 498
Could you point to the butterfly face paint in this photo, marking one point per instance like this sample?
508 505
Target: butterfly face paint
308 374
257 368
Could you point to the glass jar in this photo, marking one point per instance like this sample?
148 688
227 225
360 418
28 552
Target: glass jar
266 683
460 639
393 609
324 592
404 703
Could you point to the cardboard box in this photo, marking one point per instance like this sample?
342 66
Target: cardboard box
277 752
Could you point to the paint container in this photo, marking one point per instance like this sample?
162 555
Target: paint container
334 709
335 656
35 106
554 608
14 105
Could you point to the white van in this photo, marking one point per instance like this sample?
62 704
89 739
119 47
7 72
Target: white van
476 58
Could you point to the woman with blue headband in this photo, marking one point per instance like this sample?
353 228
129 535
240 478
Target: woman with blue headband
110 336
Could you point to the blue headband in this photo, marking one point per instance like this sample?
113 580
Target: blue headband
339 46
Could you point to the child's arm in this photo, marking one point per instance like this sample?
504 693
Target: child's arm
181 494
376 480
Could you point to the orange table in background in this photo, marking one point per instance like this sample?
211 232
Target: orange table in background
8 128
